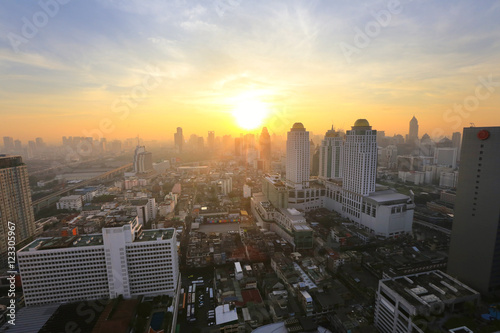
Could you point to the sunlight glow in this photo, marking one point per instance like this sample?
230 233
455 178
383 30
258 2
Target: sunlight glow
250 114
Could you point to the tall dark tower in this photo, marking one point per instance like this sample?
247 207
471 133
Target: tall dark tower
474 256
413 134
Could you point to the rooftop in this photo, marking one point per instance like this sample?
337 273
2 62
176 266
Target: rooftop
91 240
429 287
387 196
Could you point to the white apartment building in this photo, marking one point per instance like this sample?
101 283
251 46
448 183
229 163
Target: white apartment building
124 260
297 156
71 202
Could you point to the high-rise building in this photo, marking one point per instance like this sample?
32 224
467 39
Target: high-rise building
211 140
123 260
330 155
297 156
360 158
15 201
8 144
265 148
456 140
143 160
474 255
413 134
178 139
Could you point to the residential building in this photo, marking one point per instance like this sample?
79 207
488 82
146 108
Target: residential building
330 155
297 157
123 260
15 201
70 202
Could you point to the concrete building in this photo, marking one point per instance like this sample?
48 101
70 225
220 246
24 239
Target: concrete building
146 209
143 160
399 300
474 257
123 260
448 179
70 202
360 166
297 157
446 157
330 155
15 201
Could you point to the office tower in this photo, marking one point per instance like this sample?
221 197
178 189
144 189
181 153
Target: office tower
179 139
15 200
8 144
474 255
211 140
297 156
143 160
360 158
265 148
446 157
413 134
123 260
330 155
455 143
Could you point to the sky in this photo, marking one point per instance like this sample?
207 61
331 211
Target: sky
127 68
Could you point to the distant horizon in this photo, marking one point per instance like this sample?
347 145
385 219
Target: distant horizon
58 141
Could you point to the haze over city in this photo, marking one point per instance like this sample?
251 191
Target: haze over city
147 67
257 166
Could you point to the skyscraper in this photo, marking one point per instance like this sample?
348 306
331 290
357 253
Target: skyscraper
297 156
15 200
474 255
265 148
413 134
8 144
178 139
330 155
360 158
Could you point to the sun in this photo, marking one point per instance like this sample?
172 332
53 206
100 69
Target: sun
250 114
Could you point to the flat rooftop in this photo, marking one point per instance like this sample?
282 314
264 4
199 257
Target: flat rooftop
429 287
92 240
387 197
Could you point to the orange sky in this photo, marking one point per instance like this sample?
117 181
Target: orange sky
122 69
